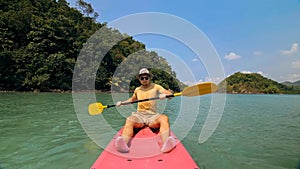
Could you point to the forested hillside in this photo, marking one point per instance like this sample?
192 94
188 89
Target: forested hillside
253 83
294 85
41 40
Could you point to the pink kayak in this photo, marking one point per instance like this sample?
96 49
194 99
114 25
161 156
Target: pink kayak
145 154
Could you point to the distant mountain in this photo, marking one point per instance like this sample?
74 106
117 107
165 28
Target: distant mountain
297 83
253 83
295 86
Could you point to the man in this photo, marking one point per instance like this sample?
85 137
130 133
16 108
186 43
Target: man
146 114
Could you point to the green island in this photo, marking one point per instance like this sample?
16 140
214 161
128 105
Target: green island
41 40
254 83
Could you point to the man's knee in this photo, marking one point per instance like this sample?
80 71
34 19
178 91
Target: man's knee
132 121
129 121
164 119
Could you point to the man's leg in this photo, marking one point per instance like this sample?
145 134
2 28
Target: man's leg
131 122
164 129
121 142
162 122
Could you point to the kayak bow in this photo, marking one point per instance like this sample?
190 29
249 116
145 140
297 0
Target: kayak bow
145 154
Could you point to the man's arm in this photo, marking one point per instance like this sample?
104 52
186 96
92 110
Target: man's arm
164 92
131 99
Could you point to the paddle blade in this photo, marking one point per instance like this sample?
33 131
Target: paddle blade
96 108
200 89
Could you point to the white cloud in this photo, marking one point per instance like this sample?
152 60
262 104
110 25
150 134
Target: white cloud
189 83
249 72
261 73
232 56
246 72
195 60
296 64
216 80
290 77
294 49
257 53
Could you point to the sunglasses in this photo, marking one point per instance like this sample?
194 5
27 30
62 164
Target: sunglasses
144 78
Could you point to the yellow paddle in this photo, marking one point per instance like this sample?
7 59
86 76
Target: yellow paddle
195 90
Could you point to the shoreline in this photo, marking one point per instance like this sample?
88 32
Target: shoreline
108 92
65 91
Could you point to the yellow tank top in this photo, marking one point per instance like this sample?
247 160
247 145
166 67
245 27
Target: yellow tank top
152 91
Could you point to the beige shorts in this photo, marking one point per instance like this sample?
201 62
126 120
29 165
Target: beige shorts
144 117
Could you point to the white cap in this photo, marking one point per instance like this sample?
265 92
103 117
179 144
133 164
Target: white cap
144 71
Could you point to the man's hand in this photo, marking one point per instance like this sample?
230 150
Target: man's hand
162 96
119 103
171 91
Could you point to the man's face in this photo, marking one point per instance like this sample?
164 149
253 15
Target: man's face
144 79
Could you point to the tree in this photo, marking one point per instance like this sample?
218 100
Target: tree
86 9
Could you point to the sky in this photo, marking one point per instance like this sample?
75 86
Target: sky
250 36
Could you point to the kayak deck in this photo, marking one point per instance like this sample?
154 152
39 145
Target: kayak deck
145 154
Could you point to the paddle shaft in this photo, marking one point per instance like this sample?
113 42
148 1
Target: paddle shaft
195 90
143 100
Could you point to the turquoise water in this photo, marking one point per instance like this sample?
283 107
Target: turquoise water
255 132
